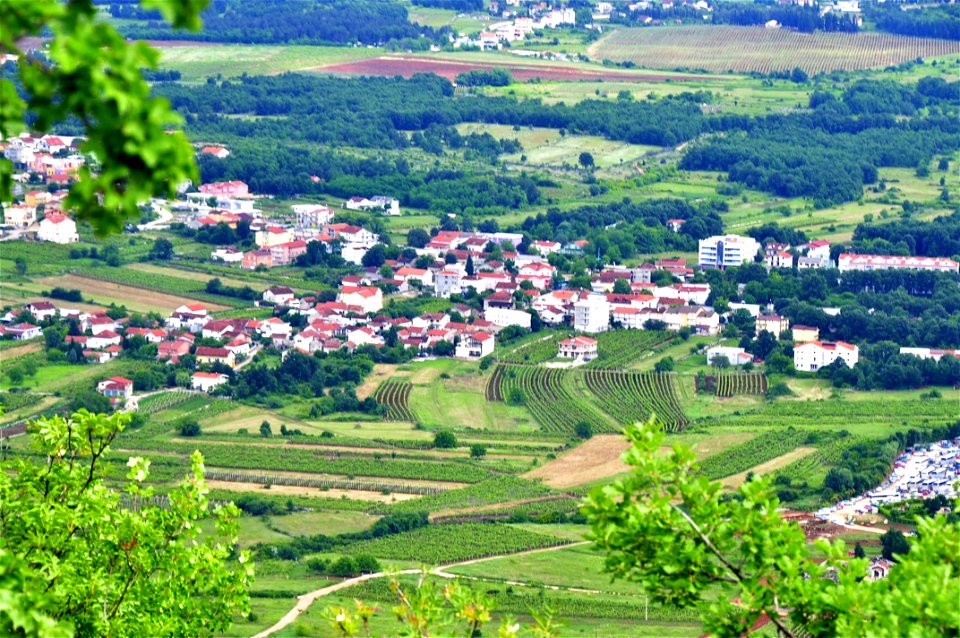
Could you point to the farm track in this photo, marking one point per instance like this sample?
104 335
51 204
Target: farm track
306 600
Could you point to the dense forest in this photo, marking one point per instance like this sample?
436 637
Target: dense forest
827 153
291 22
625 229
937 238
931 22
805 19
830 153
373 112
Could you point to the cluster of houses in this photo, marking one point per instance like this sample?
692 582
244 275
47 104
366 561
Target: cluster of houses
540 15
54 159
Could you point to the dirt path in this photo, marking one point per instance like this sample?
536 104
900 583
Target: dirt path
306 600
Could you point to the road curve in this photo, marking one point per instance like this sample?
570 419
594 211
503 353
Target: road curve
304 601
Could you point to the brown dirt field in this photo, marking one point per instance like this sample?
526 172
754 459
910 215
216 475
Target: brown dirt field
595 459
290 490
409 65
312 475
19 351
765 468
134 298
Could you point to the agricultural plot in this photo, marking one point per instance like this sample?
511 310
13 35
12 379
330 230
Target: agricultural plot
621 348
438 544
395 394
134 298
747 49
630 397
549 396
537 350
163 401
494 389
592 460
760 449
730 384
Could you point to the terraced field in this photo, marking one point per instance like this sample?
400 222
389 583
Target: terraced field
630 397
395 394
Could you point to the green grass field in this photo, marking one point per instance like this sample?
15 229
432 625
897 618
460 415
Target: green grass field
197 62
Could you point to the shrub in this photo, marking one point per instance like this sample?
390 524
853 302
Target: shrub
444 439
189 428
583 430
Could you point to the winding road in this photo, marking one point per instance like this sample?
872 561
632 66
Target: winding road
304 601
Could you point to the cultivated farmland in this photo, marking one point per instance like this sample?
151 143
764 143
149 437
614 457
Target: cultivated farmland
407 66
395 394
746 49
634 396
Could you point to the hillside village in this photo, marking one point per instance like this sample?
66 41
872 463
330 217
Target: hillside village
499 280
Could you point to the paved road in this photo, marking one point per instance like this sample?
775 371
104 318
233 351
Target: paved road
304 601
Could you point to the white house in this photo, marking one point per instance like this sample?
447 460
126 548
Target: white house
58 228
591 314
279 295
475 346
774 324
813 355
734 356
229 255
725 251
368 298
579 348
20 216
207 381
504 317
389 205
312 216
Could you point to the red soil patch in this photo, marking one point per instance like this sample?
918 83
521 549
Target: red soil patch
408 66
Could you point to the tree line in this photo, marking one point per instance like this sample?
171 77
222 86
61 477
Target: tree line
931 22
371 22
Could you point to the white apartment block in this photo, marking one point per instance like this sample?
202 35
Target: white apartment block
847 262
811 356
725 251
591 314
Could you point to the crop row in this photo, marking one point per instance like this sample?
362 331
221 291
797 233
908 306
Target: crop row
757 450
494 385
620 348
543 349
438 544
550 400
320 483
496 489
634 396
733 383
328 462
507 599
395 394
163 401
